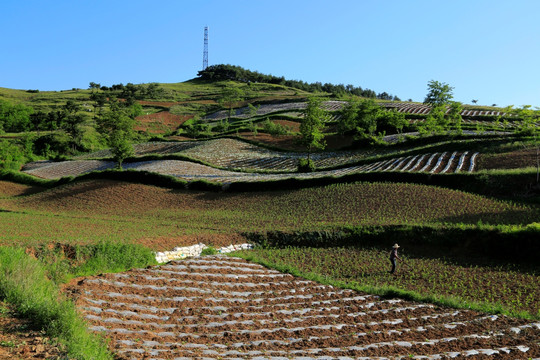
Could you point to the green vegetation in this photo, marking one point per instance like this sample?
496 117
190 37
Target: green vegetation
495 289
23 282
462 247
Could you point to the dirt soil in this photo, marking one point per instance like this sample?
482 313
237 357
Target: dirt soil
13 189
218 307
510 160
161 122
19 340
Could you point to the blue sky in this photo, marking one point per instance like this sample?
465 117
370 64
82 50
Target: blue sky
486 50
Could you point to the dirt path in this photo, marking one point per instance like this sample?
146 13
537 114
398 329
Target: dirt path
222 307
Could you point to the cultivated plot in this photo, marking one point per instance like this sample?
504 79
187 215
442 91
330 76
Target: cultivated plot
221 307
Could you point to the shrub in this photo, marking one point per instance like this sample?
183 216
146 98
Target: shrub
306 165
273 128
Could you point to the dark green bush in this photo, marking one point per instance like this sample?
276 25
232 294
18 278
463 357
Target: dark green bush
306 165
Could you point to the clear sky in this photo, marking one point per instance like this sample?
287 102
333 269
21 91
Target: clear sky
487 50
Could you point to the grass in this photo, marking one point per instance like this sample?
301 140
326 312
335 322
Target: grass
493 290
24 283
31 285
94 211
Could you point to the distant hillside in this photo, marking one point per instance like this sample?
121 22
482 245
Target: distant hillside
236 73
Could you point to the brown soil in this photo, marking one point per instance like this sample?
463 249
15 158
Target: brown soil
161 122
510 160
12 189
20 340
216 306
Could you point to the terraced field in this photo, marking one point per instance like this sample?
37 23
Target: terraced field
233 154
221 307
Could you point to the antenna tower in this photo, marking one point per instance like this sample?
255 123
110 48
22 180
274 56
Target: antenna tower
205 52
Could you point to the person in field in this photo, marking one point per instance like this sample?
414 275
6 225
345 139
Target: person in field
393 257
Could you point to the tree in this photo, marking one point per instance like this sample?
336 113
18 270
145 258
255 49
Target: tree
94 86
100 99
439 98
348 118
71 122
229 97
439 94
312 125
117 127
359 117
394 119
14 117
528 119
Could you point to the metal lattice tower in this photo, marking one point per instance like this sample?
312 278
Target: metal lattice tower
205 52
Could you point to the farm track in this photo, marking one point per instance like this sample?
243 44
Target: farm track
236 155
221 307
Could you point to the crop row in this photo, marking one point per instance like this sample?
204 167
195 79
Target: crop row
92 211
218 307
501 286
333 106
433 163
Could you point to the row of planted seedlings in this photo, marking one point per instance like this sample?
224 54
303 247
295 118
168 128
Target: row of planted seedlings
428 270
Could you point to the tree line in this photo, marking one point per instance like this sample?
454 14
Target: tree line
236 73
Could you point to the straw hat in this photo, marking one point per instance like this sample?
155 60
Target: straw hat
395 246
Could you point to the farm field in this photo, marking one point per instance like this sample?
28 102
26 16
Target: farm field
234 154
220 307
90 211
463 205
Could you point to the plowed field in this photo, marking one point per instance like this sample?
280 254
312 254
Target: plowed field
221 307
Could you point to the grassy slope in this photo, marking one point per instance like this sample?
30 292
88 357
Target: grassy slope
91 211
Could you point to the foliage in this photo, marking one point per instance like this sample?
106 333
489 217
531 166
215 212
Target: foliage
196 127
494 288
14 117
230 72
229 97
444 112
11 156
273 128
72 121
312 125
306 165
209 250
116 126
439 94
23 282
529 126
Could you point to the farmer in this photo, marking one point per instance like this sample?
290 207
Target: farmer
393 257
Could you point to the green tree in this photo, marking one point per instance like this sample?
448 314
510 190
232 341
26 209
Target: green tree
117 127
349 114
454 116
229 97
439 94
312 126
439 98
359 117
528 126
394 119
14 117
368 115
71 122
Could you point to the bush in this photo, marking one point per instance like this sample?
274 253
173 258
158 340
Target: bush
12 156
306 165
274 129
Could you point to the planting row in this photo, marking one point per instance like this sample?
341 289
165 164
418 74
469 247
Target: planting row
434 163
333 106
219 307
